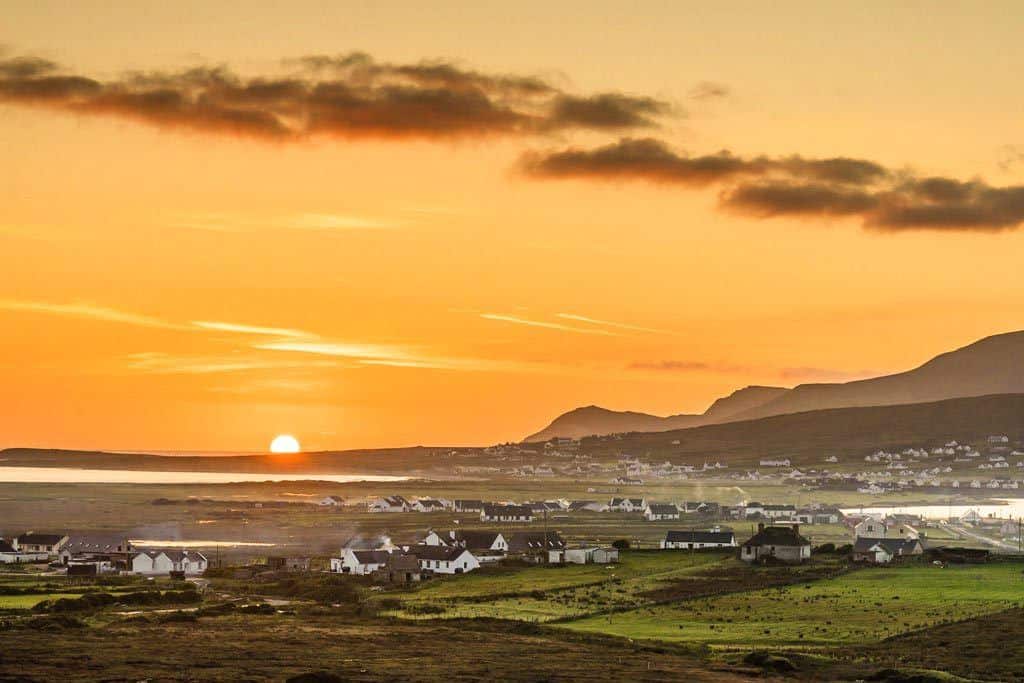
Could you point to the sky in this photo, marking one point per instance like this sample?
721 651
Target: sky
384 224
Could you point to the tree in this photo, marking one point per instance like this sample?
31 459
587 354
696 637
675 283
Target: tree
621 544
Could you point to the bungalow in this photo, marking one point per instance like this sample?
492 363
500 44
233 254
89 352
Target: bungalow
698 539
359 562
584 556
443 560
506 513
778 511
10 554
875 527
471 540
389 504
885 550
656 512
627 504
469 505
31 542
783 543
331 501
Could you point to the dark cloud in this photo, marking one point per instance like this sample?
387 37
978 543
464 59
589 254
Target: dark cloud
796 186
345 96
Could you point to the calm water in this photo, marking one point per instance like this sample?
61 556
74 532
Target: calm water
63 475
1013 508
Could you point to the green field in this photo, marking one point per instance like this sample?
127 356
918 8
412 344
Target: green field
858 607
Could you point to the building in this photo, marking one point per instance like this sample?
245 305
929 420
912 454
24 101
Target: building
627 505
885 550
331 501
10 554
291 564
584 556
31 542
389 504
876 527
399 569
587 506
534 545
427 505
506 513
469 505
695 540
778 511
153 562
477 541
655 512
781 543
359 562
444 560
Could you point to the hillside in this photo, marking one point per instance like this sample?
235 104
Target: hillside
594 420
993 365
809 437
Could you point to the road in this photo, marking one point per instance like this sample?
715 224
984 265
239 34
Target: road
1002 545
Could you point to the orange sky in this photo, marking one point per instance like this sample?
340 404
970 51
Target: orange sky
164 287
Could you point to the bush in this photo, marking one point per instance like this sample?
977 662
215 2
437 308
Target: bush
825 548
621 544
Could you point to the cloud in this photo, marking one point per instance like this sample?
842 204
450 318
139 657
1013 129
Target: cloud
546 325
89 311
348 96
708 90
248 329
686 366
155 362
766 187
609 323
235 222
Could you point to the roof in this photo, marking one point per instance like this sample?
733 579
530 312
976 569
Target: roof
777 535
580 504
780 507
699 537
476 539
466 502
40 539
174 555
620 501
371 556
97 544
893 546
663 509
535 540
437 552
6 547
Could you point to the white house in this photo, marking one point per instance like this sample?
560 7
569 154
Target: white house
444 560
10 554
655 512
359 562
470 539
778 511
506 513
885 550
427 505
781 543
627 505
465 505
876 527
584 556
161 562
694 540
331 501
32 542
389 504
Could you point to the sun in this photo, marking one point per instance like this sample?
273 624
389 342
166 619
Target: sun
284 443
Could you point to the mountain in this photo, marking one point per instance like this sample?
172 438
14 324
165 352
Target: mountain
993 365
808 438
594 420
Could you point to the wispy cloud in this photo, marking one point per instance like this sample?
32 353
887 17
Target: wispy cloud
546 325
688 366
249 329
609 323
89 311
326 222
160 363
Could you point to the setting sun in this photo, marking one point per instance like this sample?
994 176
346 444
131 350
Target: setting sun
284 443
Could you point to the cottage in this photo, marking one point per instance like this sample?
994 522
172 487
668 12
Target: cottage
10 554
427 505
399 569
469 539
876 527
655 512
692 540
885 550
583 556
153 562
627 505
783 543
331 501
444 560
32 542
778 511
389 504
469 505
506 513
534 545
359 562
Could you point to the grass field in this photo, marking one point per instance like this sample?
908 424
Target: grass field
858 607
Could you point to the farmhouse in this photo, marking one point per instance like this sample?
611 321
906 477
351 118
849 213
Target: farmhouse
783 543
627 504
657 512
331 501
444 560
359 562
31 542
698 539
506 513
885 550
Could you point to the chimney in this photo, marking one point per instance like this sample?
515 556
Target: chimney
760 527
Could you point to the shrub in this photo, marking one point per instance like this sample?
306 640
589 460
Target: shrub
621 544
